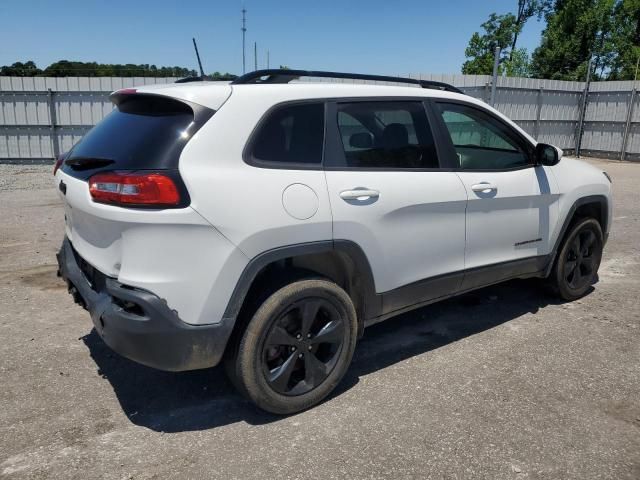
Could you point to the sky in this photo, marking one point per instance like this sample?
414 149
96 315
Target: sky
375 36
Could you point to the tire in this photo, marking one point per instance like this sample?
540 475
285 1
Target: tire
296 348
576 267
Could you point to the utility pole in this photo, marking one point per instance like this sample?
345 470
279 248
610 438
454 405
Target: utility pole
255 56
583 109
244 32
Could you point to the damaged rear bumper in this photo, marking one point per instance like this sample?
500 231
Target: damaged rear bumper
138 324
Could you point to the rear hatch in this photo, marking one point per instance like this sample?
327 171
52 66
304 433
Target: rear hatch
123 175
144 132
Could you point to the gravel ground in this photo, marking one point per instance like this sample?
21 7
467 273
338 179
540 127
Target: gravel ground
25 177
505 383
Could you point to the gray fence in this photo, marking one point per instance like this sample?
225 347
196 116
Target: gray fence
43 116
40 117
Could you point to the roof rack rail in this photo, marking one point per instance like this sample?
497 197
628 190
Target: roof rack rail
285 76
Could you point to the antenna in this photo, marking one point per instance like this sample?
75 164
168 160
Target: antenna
270 67
244 32
198 56
255 55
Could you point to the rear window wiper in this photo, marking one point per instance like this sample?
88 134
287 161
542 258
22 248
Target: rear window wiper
88 163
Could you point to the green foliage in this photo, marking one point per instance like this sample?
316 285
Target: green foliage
575 30
526 10
625 40
19 69
66 68
503 31
499 31
222 76
518 64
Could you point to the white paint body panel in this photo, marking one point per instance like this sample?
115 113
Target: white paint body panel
522 208
414 230
577 179
244 202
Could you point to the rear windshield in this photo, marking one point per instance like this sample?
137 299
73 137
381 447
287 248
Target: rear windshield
142 132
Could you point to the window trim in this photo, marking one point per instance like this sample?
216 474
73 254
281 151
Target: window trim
449 148
247 151
335 149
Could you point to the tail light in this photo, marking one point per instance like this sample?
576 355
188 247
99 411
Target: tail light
134 188
58 164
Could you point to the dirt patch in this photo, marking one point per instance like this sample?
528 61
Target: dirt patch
42 277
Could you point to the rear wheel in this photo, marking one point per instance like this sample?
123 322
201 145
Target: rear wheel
297 346
577 263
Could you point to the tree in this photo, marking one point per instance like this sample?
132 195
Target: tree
576 30
222 76
625 40
526 10
499 31
66 68
503 31
19 69
518 64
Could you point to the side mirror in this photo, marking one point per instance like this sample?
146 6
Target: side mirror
547 155
361 140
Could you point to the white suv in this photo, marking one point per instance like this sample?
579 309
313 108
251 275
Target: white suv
268 222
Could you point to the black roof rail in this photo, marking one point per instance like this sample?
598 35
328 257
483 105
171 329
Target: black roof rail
285 76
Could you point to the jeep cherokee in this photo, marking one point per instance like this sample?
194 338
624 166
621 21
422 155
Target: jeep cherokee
269 220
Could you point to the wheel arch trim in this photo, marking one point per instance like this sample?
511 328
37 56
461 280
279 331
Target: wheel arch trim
602 200
349 248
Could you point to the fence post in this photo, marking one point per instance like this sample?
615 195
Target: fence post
583 112
538 113
486 92
53 124
627 125
494 81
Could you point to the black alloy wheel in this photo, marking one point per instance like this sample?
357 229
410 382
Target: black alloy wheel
576 267
302 347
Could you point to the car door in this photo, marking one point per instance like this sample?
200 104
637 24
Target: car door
511 202
389 196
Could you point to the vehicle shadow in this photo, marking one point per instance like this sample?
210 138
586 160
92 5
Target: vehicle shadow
204 399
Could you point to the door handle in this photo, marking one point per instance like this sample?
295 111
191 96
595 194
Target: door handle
484 187
362 195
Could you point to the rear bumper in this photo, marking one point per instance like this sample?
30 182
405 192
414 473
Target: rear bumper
138 324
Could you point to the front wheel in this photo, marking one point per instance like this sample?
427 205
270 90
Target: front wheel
297 346
577 263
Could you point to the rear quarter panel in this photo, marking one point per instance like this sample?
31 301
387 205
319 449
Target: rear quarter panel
245 202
